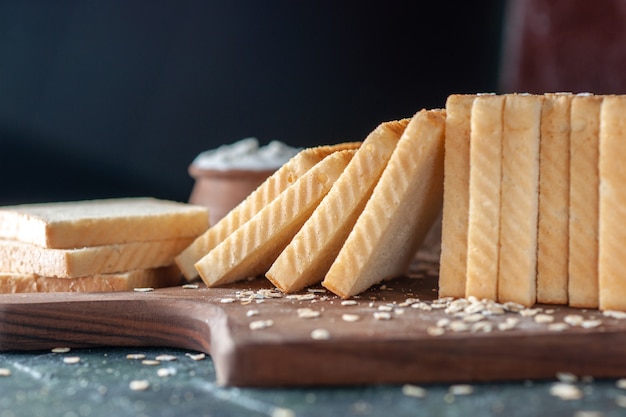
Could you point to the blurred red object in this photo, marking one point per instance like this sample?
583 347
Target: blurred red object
564 45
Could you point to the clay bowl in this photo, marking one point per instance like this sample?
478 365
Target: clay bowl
223 190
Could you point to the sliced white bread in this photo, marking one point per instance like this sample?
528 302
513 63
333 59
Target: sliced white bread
517 266
307 258
453 260
24 258
123 281
251 249
255 202
552 229
484 197
68 225
584 201
402 208
612 233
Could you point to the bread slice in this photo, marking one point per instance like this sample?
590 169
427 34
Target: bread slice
484 197
612 233
307 258
251 249
584 201
552 228
167 276
519 199
255 202
453 260
68 225
401 210
24 258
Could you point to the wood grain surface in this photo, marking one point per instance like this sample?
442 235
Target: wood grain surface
369 350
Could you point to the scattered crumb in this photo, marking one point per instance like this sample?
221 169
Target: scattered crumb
621 383
614 314
139 385
620 400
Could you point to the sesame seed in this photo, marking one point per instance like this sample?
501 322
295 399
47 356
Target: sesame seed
163 372
144 289
615 314
435 331
308 313
413 391
573 319
385 308
60 350
382 315
544 318
191 286
620 400
71 359
558 327
251 313
227 300
443 322
282 412
621 383
166 358
348 303
350 317
195 356
529 312
473 318
566 377
481 326
135 356
139 385
590 324
261 324
458 326
150 362
320 334
461 389
566 391
5 372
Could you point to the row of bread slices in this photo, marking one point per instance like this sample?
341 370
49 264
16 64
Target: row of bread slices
347 216
535 199
93 246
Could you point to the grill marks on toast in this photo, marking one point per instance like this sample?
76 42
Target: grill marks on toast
251 249
313 249
255 202
612 233
399 213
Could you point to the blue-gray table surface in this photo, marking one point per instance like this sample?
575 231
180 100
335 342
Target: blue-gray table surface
100 384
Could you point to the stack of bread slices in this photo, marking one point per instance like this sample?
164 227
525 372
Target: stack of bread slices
346 216
534 199
93 246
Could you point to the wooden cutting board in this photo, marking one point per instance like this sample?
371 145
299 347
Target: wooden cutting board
369 350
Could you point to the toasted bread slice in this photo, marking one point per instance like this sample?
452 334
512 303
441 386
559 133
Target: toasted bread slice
77 224
401 210
308 256
584 201
552 229
453 261
612 233
519 199
484 197
255 202
24 258
167 276
251 249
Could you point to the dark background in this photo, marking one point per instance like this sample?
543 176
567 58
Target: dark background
116 98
